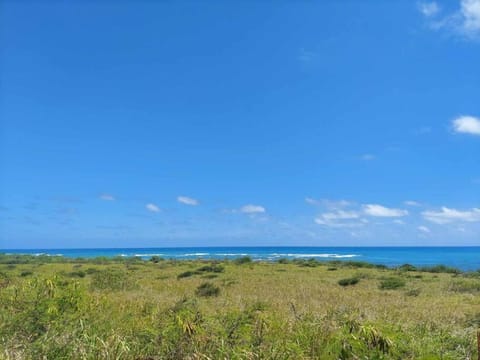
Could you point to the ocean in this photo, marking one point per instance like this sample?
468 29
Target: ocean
464 258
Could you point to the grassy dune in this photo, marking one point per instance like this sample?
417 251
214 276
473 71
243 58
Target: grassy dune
131 309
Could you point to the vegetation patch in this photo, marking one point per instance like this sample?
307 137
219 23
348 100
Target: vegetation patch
407 267
465 285
79 274
156 259
348 281
207 289
203 270
413 292
391 283
440 269
112 279
298 314
242 260
211 268
186 274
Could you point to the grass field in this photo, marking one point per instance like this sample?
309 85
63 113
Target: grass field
55 308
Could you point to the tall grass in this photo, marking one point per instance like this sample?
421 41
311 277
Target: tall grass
140 310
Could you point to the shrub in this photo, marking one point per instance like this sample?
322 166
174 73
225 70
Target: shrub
242 260
407 267
211 268
348 281
306 263
207 289
391 283
440 269
26 273
156 259
283 261
185 274
79 274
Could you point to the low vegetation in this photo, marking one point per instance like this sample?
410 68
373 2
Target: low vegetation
348 281
56 308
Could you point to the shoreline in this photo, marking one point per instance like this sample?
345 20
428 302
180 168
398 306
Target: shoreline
14 259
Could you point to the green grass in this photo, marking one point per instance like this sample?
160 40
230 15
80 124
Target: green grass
133 309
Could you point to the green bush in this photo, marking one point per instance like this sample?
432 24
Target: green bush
185 274
391 283
348 281
26 273
156 259
407 267
440 269
242 260
207 289
79 274
211 268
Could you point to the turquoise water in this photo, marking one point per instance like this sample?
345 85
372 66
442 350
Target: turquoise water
465 258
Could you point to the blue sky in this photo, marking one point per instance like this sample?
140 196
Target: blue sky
325 123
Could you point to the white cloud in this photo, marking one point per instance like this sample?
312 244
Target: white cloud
467 124
424 229
470 10
382 211
447 215
252 209
329 204
187 200
399 222
340 219
464 22
107 197
311 201
337 224
368 157
152 207
340 215
429 9
412 203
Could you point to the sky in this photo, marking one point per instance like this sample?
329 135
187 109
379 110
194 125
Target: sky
235 123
